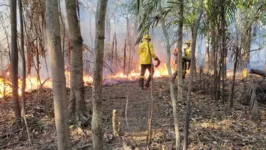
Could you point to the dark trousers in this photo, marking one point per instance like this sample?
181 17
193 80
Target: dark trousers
184 68
145 67
184 64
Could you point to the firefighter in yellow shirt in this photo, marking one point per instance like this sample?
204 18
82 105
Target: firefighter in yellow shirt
146 53
185 59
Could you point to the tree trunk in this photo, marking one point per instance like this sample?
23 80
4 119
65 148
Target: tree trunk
125 56
246 42
234 78
78 9
237 48
223 49
77 102
14 57
96 123
112 51
212 49
29 59
207 55
249 44
172 92
38 64
58 75
116 55
23 59
63 31
129 45
180 74
219 72
194 67
215 49
194 40
179 57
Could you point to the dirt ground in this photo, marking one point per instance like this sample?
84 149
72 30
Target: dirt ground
213 125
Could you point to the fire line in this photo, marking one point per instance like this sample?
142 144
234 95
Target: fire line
32 82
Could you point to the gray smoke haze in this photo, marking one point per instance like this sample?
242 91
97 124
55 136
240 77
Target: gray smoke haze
118 26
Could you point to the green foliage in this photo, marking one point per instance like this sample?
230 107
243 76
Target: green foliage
147 10
252 11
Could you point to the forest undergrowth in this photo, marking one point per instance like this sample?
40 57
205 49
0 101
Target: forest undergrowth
213 125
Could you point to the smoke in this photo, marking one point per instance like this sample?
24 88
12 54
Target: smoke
118 25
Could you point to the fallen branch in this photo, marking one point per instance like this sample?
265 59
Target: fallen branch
118 97
8 134
7 145
27 128
40 86
258 72
85 146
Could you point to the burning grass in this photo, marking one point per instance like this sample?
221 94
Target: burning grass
33 83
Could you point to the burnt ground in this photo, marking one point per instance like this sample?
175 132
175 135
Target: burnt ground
213 125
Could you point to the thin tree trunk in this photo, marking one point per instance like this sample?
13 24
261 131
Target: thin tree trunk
219 72
77 102
180 74
37 48
223 49
116 55
112 51
14 57
215 49
249 44
58 75
246 42
179 46
207 55
125 56
69 50
172 92
212 49
64 31
150 114
194 40
194 67
233 81
129 45
38 64
96 123
23 59
29 54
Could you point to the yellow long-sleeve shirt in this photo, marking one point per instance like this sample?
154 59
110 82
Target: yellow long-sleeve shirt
187 53
144 54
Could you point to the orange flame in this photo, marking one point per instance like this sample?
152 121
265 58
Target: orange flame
33 83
